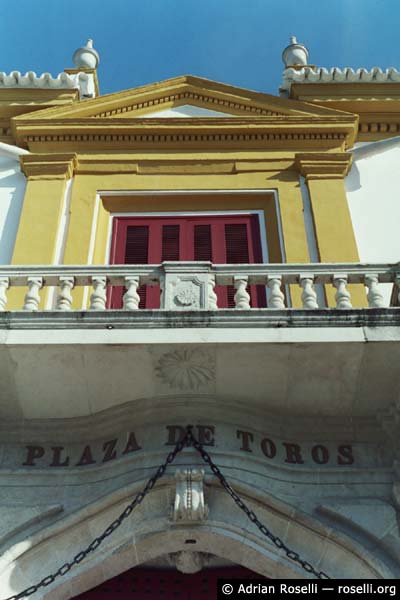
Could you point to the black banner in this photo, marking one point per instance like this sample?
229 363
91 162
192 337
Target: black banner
326 589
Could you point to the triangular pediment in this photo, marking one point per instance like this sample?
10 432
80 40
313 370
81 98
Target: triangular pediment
179 97
184 109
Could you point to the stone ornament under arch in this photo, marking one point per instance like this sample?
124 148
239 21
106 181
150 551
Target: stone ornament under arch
149 533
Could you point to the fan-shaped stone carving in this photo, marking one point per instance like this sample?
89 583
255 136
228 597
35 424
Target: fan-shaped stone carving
186 369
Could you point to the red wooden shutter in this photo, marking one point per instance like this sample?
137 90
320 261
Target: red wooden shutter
137 245
137 253
170 242
231 239
237 251
202 242
237 243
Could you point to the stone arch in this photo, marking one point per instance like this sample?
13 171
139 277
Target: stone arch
149 533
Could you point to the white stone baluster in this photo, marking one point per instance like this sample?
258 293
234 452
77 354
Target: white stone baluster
99 296
212 296
308 296
375 298
276 298
242 298
32 297
131 297
342 296
4 285
64 298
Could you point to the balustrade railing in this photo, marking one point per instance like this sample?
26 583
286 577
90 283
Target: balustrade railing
190 285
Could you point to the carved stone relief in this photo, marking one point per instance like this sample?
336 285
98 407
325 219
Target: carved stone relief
186 369
189 562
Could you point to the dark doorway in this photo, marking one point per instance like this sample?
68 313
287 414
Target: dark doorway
163 584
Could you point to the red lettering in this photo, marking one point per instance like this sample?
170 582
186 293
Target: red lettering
56 462
205 434
86 458
268 448
131 444
109 450
320 454
34 452
176 433
345 455
246 437
293 453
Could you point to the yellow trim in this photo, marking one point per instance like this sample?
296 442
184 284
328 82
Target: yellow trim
38 229
376 104
118 121
210 94
334 232
48 166
83 206
324 173
250 151
41 213
20 101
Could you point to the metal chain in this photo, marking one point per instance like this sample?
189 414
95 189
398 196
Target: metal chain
78 558
187 440
277 541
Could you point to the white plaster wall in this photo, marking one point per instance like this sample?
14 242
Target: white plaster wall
187 110
12 190
373 191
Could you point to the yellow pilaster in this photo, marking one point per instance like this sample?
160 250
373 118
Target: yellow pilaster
40 218
336 242
293 230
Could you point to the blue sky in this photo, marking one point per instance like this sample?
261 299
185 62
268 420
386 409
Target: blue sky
235 41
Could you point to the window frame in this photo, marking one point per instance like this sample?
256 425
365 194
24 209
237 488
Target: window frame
194 213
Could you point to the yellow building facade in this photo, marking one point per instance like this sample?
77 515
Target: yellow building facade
283 361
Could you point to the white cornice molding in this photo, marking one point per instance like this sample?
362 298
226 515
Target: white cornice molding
84 82
337 75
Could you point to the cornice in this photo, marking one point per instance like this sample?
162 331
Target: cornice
323 166
255 132
149 165
48 166
380 126
181 90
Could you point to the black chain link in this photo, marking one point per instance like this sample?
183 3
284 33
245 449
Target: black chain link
277 541
188 440
78 558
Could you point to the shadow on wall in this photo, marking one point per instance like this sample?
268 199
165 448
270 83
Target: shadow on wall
12 190
353 181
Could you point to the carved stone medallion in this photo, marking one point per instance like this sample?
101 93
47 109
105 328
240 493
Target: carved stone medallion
186 369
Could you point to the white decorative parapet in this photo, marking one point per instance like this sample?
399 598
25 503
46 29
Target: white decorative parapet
84 82
188 286
191 285
337 75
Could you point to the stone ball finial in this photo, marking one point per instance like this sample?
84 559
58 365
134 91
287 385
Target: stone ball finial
295 54
86 57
